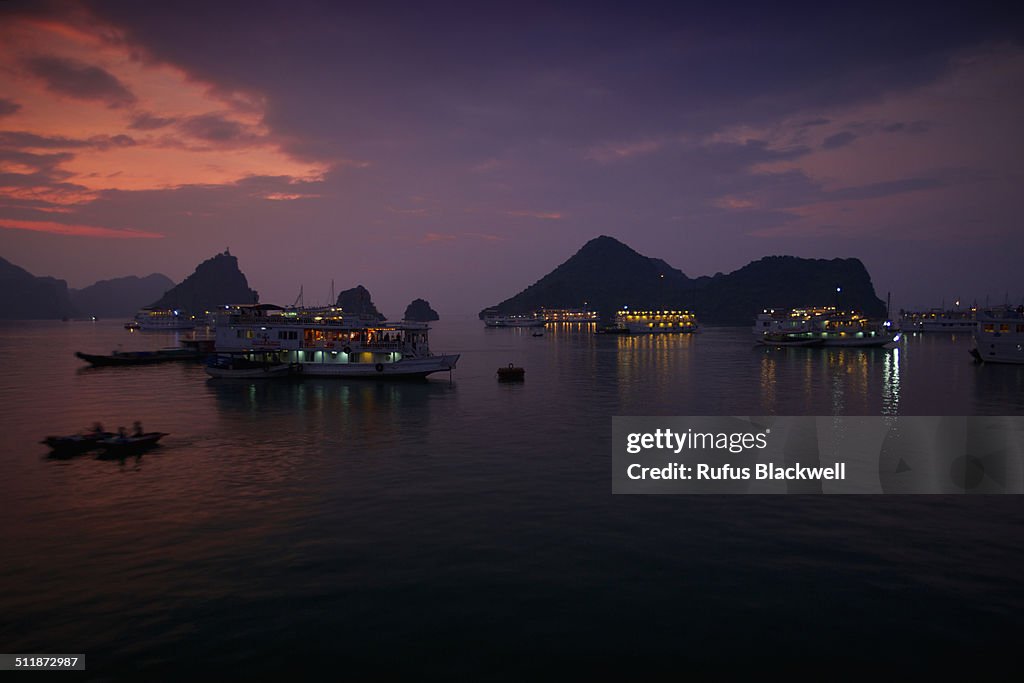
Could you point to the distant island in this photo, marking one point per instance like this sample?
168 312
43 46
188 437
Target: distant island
121 296
216 281
357 302
24 296
419 310
606 275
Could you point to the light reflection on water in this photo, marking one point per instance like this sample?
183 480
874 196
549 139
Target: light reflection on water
473 511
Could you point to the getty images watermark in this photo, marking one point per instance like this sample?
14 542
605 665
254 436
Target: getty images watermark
818 454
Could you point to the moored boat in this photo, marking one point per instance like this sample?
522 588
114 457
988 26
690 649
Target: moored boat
938 320
140 357
656 322
826 325
327 345
162 319
494 319
999 336
570 315
231 366
785 340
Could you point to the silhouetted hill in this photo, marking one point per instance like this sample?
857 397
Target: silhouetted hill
606 275
357 301
420 311
215 282
23 296
120 296
786 282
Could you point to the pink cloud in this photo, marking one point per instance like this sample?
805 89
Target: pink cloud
77 230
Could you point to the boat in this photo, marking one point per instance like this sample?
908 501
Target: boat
999 336
76 443
162 319
511 373
827 325
493 319
537 333
326 344
785 340
237 366
570 315
656 322
116 445
140 357
938 320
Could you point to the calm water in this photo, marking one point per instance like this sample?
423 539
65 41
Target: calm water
467 527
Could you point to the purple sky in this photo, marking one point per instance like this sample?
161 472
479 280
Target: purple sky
459 153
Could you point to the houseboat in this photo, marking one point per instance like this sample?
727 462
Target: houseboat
494 319
656 322
938 320
570 315
999 336
161 319
827 325
321 343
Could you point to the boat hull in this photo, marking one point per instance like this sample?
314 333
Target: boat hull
76 443
786 343
269 372
405 368
641 329
118 446
993 351
139 357
515 323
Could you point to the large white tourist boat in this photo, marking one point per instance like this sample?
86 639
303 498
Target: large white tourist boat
656 322
569 315
938 320
162 319
999 336
494 319
267 340
825 326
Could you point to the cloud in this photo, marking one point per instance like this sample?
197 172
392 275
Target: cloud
543 215
8 107
838 140
77 230
487 237
612 152
80 80
436 237
217 129
907 127
147 121
18 139
885 188
32 161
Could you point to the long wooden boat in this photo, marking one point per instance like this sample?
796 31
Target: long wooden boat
140 357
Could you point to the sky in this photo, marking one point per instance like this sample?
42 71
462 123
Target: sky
459 152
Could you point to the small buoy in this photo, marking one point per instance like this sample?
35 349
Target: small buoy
511 373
